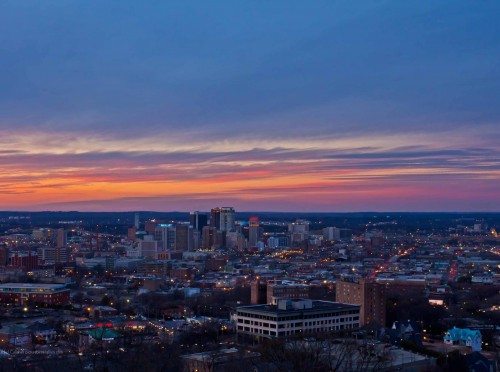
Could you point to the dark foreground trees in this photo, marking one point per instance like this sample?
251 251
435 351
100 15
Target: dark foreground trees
324 354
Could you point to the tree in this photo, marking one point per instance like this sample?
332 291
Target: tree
105 300
324 354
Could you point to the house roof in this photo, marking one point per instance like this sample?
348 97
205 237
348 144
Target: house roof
102 333
457 334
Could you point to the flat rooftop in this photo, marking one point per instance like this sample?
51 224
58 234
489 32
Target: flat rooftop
317 305
32 286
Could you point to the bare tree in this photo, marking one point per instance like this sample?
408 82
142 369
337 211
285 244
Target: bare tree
327 353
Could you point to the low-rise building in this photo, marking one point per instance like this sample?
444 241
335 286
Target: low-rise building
285 289
464 337
295 317
15 335
22 293
219 360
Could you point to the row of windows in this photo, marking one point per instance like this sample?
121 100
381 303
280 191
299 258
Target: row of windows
319 322
329 315
316 330
27 290
320 315
259 331
298 316
332 321
299 324
257 316
261 324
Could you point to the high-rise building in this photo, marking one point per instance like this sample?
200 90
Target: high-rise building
226 219
298 231
196 239
258 292
131 233
208 237
370 295
235 240
183 237
61 238
254 231
165 236
136 221
4 256
215 218
222 218
331 233
212 238
150 226
198 220
149 249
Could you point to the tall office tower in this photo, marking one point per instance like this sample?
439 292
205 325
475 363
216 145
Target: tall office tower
150 226
183 237
235 240
299 231
215 218
131 233
258 292
198 220
62 255
222 218
212 238
4 256
220 239
370 295
299 226
331 233
136 221
149 249
62 238
208 237
226 219
254 231
165 236
196 239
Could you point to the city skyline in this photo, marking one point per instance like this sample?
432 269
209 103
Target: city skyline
263 107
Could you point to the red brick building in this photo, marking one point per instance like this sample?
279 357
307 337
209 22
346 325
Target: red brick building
23 293
370 295
23 260
283 289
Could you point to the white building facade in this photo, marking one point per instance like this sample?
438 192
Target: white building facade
295 317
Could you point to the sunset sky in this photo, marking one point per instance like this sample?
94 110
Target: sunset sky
261 105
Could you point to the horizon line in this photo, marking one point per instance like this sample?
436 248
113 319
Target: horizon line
248 211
